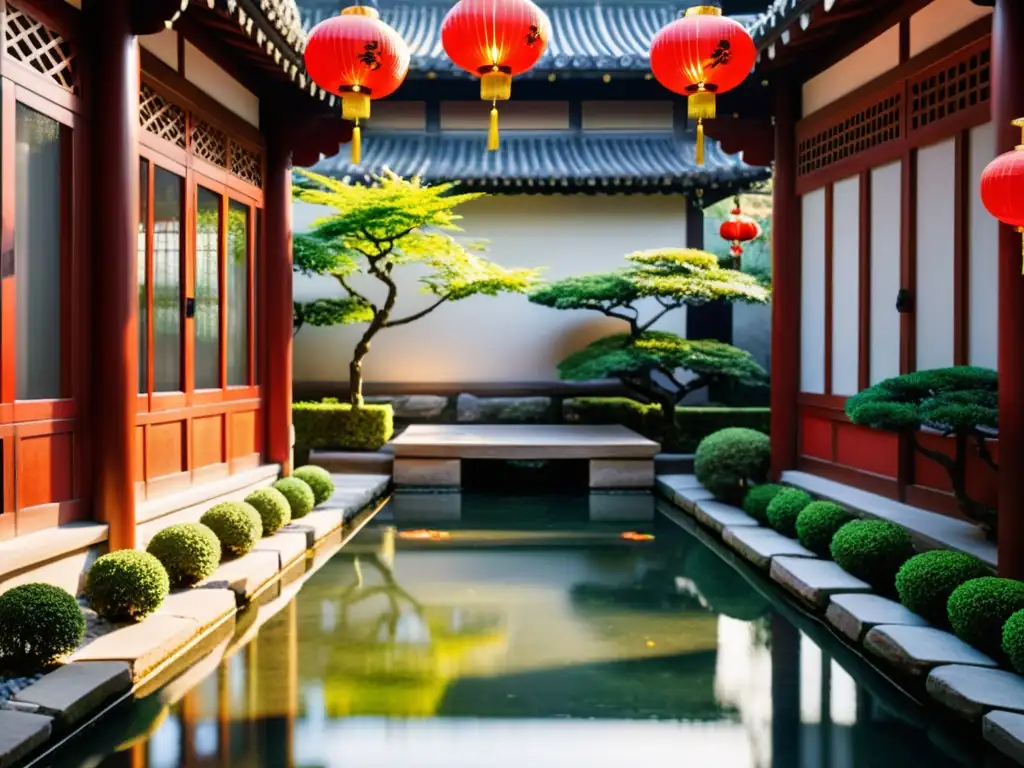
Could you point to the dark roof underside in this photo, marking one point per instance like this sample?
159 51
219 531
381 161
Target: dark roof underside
550 162
586 36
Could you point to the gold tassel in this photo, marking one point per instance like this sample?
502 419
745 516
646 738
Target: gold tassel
357 145
700 142
1021 230
492 133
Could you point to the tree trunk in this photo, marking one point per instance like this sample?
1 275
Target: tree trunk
380 317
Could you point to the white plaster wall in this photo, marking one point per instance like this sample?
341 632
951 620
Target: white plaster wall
205 74
940 19
505 338
864 65
812 294
626 115
933 298
513 115
983 281
886 200
163 45
845 286
398 115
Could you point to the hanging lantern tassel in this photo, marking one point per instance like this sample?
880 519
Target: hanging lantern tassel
357 144
492 131
700 106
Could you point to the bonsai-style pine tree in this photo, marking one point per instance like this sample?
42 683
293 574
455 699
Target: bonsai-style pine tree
961 403
375 228
648 362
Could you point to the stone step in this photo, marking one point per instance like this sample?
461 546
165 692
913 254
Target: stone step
354 463
73 692
20 734
760 546
916 651
814 581
1004 731
673 464
854 615
973 691
718 516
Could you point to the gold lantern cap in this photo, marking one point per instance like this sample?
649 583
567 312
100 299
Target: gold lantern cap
1019 123
703 10
361 10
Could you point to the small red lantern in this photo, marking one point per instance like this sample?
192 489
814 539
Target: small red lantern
1002 186
739 229
700 55
358 57
495 40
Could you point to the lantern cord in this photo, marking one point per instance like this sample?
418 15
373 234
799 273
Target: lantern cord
492 133
357 144
700 141
1021 230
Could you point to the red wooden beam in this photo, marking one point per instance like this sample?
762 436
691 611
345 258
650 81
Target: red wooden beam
1008 104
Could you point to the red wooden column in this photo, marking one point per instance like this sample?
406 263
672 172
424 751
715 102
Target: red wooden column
115 195
1007 105
277 282
785 366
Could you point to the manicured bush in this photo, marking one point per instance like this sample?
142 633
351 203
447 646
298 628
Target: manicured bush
126 585
39 623
784 509
1013 640
728 462
300 496
872 550
756 502
693 424
317 478
979 608
330 424
818 523
644 418
926 581
190 552
273 508
237 524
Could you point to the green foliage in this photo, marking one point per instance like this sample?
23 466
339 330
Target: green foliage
873 551
926 581
785 508
730 460
644 418
601 291
342 426
299 495
818 522
189 552
272 507
756 502
237 524
40 623
692 277
979 608
959 402
1013 640
318 479
126 585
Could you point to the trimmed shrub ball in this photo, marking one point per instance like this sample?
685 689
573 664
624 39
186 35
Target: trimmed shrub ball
872 550
299 494
317 478
926 581
818 523
126 585
756 502
40 624
979 608
236 524
273 509
1013 640
784 509
190 552
731 460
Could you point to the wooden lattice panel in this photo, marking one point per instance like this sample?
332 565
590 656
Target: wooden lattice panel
860 131
246 164
161 117
210 143
32 43
951 87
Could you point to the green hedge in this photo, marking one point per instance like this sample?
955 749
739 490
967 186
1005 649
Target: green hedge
334 425
693 424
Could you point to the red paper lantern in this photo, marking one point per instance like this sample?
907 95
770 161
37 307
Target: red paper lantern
739 229
358 57
1002 187
495 40
700 55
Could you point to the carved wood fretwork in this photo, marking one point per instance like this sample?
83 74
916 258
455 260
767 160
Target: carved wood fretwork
209 143
32 43
161 117
951 86
246 164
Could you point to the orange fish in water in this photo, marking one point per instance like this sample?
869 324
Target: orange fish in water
635 536
424 534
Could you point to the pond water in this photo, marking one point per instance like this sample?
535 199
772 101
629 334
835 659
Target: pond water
475 631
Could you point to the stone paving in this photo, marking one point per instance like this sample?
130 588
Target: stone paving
814 581
972 692
855 614
761 545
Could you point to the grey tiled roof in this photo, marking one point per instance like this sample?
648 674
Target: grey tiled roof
550 161
777 18
594 35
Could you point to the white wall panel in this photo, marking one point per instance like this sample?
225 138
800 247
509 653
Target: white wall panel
940 19
860 67
201 71
812 293
163 45
933 299
884 359
845 286
983 259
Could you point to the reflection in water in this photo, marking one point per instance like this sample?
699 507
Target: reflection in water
516 653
